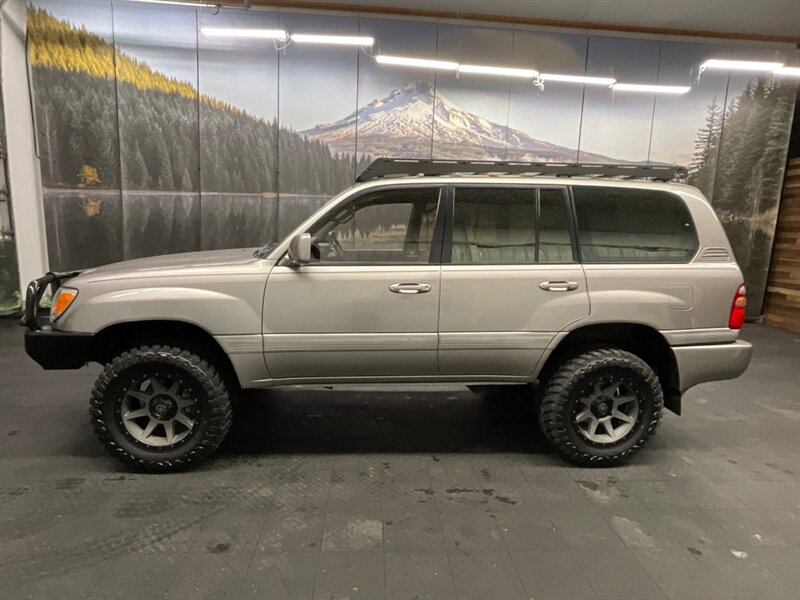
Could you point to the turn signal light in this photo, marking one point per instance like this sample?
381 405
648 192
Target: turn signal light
736 319
64 297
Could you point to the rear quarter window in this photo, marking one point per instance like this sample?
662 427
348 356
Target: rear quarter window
621 225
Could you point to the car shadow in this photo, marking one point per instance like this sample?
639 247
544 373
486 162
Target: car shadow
328 421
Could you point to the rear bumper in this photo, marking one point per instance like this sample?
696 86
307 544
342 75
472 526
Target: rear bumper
712 362
54 349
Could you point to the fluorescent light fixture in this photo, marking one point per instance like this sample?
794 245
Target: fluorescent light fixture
336 40
178 3
740 65
423 63
578 79
502 71
655 89
790 71
267 34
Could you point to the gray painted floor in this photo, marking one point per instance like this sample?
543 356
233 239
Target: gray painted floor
433 493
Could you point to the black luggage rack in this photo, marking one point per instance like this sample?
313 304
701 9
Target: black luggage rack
387 167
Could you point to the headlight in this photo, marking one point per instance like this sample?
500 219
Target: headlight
64 298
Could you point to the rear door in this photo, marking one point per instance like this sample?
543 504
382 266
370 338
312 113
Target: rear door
510 278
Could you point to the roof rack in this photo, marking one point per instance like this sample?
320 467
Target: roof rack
383 167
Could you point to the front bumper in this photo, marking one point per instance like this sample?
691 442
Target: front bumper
51 348
54 349
38 317
712 362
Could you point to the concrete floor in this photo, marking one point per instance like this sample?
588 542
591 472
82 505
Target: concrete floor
376 494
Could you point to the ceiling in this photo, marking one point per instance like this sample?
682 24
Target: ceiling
757 19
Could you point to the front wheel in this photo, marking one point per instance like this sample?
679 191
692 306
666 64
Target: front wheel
160 408
601 407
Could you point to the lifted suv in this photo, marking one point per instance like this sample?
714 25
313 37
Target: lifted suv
614 292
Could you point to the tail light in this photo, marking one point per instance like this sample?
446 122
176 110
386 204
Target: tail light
736 319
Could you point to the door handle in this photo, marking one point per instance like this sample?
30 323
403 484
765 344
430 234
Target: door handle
559 286
410 288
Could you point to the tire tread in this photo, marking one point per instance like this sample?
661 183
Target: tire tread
220 417
556 395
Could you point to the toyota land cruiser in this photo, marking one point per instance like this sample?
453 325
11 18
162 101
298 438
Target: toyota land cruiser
607 289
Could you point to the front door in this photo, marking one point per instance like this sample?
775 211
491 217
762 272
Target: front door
510 280
368 303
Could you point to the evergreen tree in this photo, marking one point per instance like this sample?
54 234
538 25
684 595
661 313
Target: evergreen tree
140 169
186 181
704 157
774 152
165 180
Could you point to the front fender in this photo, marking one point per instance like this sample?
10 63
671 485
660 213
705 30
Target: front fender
232 307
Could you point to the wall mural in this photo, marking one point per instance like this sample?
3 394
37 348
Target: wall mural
157 138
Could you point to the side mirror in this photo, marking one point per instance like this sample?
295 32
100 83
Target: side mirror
299 252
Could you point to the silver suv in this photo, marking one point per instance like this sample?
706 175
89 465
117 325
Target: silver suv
608 290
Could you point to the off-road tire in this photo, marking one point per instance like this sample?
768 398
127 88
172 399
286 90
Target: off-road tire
214 403
559 395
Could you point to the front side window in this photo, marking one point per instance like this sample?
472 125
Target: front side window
510 226
385 226
618 225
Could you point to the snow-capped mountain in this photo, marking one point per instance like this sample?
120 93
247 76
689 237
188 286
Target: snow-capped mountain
400 125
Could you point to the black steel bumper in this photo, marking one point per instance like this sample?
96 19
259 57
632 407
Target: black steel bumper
51 348
36 317
54 349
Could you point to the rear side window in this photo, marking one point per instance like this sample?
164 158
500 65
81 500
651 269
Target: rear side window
510 226
633 226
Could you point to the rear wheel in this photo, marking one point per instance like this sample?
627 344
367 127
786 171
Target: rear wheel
601 407
160 408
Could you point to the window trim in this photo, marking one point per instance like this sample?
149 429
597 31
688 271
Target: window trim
573 226
443 232
633 262
447 250
435 244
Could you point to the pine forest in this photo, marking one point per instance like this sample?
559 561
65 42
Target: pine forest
156 123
